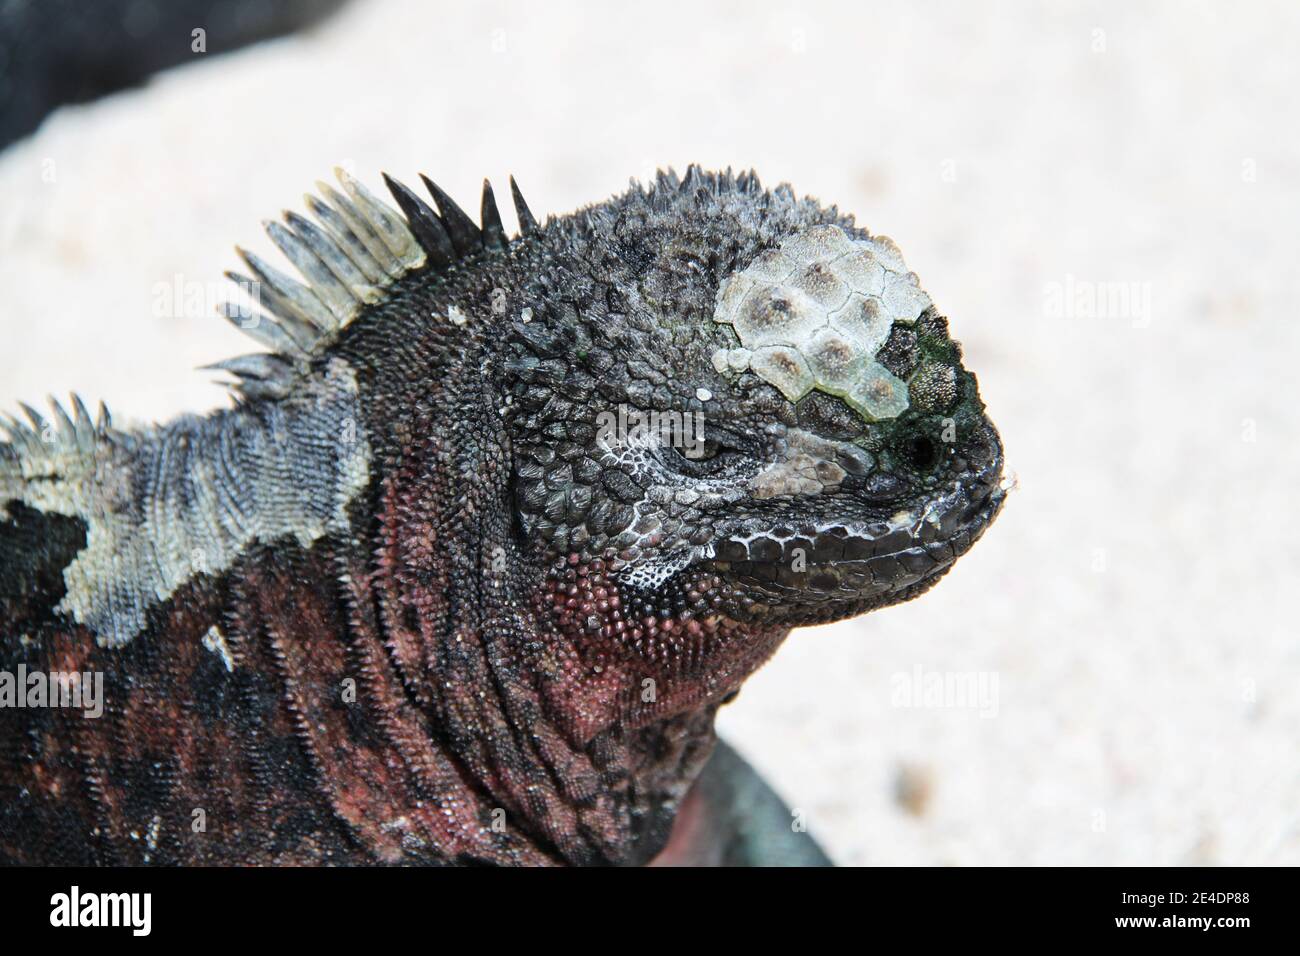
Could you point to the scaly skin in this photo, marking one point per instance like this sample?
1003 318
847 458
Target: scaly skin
483 624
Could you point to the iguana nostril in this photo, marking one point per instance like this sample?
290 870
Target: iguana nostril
921 452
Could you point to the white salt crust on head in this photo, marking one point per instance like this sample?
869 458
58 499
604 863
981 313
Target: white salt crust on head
812 314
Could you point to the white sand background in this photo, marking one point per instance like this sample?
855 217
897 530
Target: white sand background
1130 614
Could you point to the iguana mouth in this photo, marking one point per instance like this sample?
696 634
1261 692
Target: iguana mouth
874 559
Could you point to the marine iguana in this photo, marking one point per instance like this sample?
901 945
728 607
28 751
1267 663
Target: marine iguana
487 537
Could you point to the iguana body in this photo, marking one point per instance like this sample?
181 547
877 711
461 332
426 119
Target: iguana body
439 589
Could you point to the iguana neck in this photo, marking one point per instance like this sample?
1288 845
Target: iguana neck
576 747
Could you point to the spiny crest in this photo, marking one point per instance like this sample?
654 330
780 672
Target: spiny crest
667 185
356 249
65 434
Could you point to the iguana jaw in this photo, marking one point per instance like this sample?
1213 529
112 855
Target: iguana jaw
811 570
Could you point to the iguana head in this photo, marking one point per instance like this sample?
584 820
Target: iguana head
725 410
613 461
738 411
548 500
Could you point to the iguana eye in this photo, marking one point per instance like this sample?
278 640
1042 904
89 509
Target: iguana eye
708 450
698 459
704 452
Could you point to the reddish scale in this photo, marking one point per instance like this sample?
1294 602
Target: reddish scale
678 637
590 606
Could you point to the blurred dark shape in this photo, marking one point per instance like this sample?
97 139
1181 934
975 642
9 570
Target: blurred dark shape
913 788
54 52
731 817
